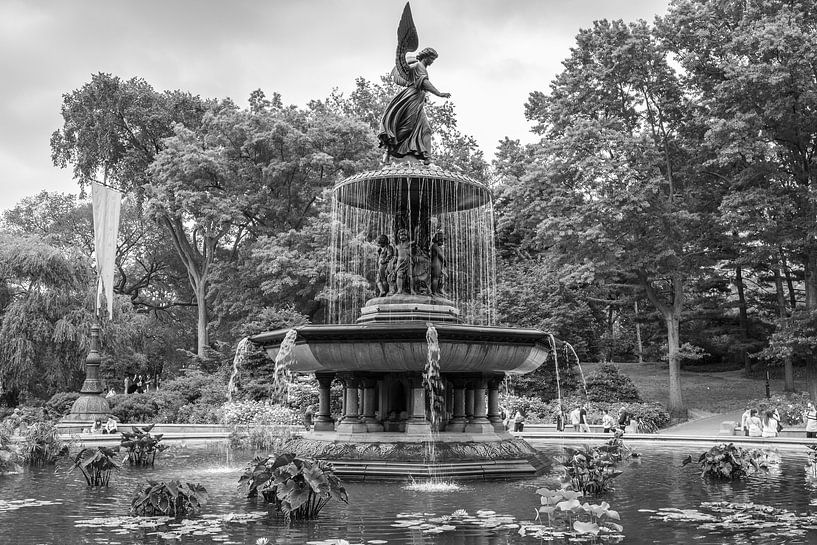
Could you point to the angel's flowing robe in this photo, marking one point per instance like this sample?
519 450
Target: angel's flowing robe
404 128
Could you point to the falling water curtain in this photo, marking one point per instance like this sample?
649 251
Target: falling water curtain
106 204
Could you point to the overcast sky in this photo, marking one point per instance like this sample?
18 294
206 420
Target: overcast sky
492 54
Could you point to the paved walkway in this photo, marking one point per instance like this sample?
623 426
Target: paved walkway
707 426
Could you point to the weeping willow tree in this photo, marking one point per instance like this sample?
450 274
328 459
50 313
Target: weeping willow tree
44 316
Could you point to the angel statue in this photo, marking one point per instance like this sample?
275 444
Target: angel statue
404 128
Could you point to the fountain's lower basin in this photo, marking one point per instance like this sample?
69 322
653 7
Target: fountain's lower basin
397 456
401 346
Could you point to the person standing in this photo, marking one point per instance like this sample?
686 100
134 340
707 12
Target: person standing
583 424
607 421
518 421
744 421
575 418
810 418
560 419
623 419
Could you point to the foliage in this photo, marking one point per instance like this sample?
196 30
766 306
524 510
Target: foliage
142 447
565 513
133 407
731 462
303 394
607 383
97 464
588 469
298 488
199 413
169 499
617 449
60 403
257 412
9 453
42 444
260 437
199 387
790 407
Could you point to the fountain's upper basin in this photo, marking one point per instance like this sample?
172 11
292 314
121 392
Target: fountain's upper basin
401 346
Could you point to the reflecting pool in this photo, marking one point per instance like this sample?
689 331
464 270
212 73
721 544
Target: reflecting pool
51 506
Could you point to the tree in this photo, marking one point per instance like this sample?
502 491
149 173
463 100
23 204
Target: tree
612 189
752 65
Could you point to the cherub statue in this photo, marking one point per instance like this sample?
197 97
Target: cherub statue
385 255
438 264
403 262
404 128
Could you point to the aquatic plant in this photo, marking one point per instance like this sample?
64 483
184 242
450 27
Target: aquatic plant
141 445
588 469
9 453
731 462
97 464
298 488
569 517
42 444
168 499
616 449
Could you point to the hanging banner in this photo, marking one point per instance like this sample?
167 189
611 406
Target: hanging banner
106 204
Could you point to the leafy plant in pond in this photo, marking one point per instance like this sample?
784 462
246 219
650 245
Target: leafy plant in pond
731 462
616 449
565 513
97 464
9 453
588 469
168 499
141 445
299 488
42 444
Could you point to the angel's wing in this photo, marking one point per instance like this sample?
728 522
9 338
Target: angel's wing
407 41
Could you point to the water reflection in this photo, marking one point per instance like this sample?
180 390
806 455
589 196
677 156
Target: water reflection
657 481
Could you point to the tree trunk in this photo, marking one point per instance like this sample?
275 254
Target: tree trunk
676 399
639 346
789 281
743 319
788 367
202 338
810 271
671 312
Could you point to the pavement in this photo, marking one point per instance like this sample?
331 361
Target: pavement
704 426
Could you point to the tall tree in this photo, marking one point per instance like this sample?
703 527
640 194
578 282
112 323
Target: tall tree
612 191
752 65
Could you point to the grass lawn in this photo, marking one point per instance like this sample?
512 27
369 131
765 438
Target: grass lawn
714 392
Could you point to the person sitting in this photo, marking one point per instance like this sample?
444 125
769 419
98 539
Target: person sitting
770 424
110 425
97 427
754 425
623 419
607 421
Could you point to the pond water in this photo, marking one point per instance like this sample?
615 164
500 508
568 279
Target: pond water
51 506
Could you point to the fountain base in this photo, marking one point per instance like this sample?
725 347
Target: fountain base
397 456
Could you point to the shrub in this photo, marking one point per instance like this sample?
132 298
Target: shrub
791 407
200 413
171 499
134 408
97 464
60 403
302 394
257 412
297 487
142 447
198 387
271 438
609 384
42 444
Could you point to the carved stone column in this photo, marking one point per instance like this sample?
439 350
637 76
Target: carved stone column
494 414
417 422
324 420
351 423
469 401
372 424
480 423
458 421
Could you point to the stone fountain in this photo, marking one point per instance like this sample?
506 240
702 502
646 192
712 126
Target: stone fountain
412 249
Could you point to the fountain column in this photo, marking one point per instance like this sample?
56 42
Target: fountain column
351 423
324 421
480 422
469 401
372 424
417 422
458 421
494 414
